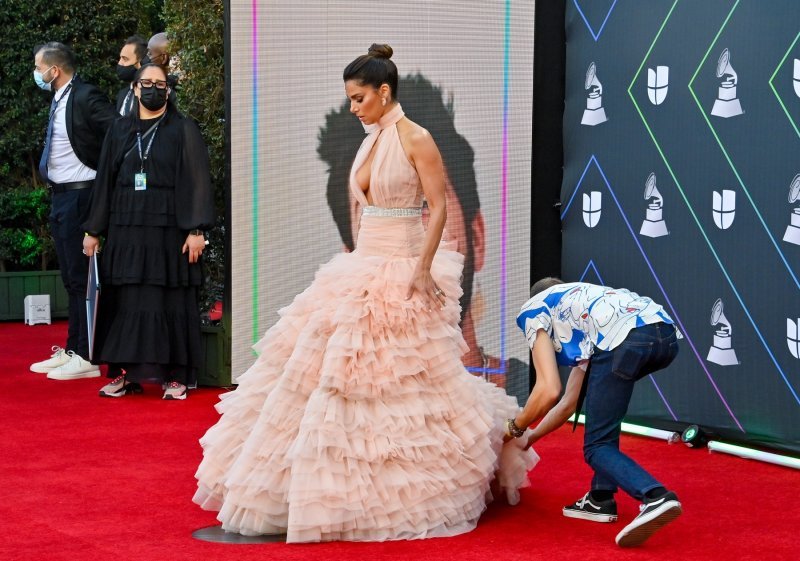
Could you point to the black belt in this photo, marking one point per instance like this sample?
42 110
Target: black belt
72 186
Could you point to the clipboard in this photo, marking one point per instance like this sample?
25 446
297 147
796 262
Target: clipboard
92 300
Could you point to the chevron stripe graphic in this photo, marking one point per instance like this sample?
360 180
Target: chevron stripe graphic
689 205
597 35
672 308
775 91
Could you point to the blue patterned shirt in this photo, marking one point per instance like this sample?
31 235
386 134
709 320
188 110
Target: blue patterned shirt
580 317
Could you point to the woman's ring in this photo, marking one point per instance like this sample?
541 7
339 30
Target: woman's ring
438 291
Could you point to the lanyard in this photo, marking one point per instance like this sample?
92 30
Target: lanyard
143 157
55 103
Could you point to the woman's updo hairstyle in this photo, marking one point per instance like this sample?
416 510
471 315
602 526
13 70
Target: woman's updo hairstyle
374 69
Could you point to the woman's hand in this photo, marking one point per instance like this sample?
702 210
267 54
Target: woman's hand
91 245
195 246
423 285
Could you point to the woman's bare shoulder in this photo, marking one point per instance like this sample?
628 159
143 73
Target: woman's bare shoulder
414 136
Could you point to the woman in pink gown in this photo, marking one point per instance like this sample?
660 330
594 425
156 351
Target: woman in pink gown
358 420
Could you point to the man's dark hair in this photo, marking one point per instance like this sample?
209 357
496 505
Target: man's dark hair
57 54
543 284
139 46
422 102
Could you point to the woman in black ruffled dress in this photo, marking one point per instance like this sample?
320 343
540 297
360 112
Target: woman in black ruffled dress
152 200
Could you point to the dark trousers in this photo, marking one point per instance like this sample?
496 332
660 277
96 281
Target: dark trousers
608 393
67 214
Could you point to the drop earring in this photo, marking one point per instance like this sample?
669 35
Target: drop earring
383 101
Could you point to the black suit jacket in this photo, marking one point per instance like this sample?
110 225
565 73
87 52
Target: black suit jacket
89 115
121 95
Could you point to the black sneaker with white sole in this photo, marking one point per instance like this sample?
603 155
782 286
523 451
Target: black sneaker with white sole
653 514
588 508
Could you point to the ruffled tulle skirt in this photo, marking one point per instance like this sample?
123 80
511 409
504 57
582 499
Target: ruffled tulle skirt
357 420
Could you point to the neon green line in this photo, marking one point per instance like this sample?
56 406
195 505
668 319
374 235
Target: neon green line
650 50
661 152
771 85
714 42
727 156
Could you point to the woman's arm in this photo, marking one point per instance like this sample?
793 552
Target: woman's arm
424 155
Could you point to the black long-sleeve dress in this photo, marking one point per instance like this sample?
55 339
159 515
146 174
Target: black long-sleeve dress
148 322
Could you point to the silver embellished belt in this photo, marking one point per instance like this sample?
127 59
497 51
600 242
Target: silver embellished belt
394 212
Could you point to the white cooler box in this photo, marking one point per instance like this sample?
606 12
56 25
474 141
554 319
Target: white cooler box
37 309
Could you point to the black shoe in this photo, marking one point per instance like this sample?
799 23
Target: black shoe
588 508
653 514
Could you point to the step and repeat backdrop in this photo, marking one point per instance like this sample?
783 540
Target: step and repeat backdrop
682 182
466 75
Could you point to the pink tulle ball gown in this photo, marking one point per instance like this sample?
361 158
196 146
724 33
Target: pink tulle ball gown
358 420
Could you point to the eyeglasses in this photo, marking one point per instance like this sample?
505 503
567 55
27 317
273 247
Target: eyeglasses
159 84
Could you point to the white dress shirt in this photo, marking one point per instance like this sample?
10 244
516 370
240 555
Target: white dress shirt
63 166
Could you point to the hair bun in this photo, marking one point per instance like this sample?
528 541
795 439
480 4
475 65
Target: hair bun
380 51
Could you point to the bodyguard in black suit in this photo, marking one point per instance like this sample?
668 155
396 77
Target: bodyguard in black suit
80 115
130 60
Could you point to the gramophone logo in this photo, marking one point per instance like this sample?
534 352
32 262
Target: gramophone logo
592 205
721 351
657 84
727 104
792 234
797 77
793 336
594 114
723 207
653 225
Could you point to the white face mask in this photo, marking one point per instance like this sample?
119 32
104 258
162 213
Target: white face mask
38 77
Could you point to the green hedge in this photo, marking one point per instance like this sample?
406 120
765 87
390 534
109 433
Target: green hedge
24 237
196 31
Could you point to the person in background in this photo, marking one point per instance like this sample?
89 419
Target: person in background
152 202
130 60
80 115
159 52
612 338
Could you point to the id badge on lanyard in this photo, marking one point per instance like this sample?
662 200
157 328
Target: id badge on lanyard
140 182
140 179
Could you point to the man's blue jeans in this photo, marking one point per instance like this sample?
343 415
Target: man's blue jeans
608 393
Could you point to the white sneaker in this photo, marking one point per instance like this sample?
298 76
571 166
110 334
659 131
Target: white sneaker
74 369
58 358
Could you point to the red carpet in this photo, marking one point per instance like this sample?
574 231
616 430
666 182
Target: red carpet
86 478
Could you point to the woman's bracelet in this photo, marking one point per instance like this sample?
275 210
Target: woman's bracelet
513 430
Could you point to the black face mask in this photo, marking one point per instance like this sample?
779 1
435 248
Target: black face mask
126 73
145 60
152 98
